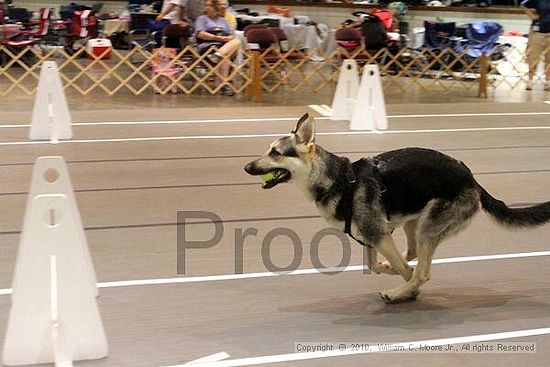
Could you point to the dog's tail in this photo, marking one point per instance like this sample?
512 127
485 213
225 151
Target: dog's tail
514 217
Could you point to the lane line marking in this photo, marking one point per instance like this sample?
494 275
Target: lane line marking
255 183
245 155
225 277
473 114
248 136
226 221
271 119
211 358
297 356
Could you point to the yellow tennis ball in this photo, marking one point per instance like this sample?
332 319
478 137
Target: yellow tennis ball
268 176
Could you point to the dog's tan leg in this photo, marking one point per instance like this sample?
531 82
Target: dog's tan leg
410 254
376 266
372 258
396 263
439 219
421 275
410 231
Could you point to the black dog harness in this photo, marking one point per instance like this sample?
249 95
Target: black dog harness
346 203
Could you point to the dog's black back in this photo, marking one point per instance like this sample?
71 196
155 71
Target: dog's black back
414 176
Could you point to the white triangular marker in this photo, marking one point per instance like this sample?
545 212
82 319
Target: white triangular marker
61 356
346 89
50 116
54 314
51 176
370 108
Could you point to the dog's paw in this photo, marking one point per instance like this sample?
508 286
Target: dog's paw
384 297
394 297
384 268
409 275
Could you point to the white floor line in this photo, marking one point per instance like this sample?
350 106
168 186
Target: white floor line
249 136
176 122
472 114
267 119
374 348
211 358
226 277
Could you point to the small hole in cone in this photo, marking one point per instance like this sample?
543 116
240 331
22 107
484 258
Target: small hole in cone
51 175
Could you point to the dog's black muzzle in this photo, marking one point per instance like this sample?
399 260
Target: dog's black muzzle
278 175
252 169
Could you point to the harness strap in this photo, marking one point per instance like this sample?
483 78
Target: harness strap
349 194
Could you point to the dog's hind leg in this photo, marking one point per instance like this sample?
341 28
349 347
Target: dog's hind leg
422 274
410 232
441 218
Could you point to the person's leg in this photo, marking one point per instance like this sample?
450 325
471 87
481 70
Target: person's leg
158 27
217 66
177 36
224 70
547 60
226 52
229 48
534 51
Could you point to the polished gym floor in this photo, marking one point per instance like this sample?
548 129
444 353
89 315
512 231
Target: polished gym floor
133 170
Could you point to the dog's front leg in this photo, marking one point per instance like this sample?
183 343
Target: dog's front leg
397 264
372 259
410 253
376 266
373 263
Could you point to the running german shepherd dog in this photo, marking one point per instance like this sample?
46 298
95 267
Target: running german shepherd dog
430 194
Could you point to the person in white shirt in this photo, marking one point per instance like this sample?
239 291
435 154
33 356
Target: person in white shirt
174 12
173 23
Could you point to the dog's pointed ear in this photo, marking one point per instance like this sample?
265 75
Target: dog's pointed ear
305 130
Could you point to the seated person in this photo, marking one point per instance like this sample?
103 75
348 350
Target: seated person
212 29
228 15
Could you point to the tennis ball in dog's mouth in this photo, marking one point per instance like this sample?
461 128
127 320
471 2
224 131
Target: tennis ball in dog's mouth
268 176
